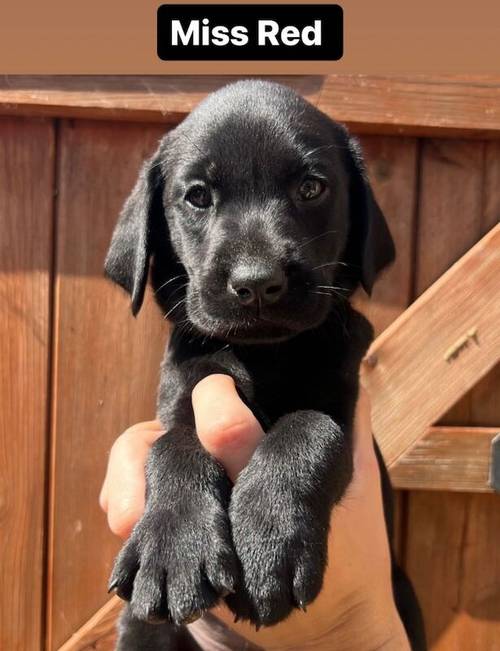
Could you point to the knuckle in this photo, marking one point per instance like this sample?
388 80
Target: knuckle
122 516
226 432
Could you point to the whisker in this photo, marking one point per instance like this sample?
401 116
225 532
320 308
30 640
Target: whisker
168 282
183 299
321 147
330 264
341 289
316 237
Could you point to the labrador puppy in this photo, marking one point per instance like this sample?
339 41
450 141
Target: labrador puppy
256 221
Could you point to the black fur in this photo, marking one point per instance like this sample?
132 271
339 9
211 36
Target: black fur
294 353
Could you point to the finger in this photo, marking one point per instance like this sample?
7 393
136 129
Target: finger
225 426
149 431
123 493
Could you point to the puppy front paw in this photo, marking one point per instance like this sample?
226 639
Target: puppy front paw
282 552
177 563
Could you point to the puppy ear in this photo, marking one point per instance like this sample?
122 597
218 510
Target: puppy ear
127 261
373 242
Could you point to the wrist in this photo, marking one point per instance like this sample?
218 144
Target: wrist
373 626
362 622
368 625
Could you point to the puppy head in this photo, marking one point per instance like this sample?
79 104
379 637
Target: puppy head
257 215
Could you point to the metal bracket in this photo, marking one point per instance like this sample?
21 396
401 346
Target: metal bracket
494 479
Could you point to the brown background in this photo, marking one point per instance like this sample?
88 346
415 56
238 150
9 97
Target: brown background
76 369
117 37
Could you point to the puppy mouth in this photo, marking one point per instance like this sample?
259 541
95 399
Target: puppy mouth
256 331
256 326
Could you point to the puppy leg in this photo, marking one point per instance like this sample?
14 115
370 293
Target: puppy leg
179 559
280 514
136 635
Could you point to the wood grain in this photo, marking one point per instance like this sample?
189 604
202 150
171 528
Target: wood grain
451 206
459 312
452 553
452 556
158 98
448 458
419 105
106 363
99 631
392 167
26 186
483 407
415 105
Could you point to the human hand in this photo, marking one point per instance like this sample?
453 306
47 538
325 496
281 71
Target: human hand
355 609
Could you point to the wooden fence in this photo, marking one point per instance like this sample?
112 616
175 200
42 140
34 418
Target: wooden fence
76 369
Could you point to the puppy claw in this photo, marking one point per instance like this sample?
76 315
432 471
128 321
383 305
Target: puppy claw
112 586
303 606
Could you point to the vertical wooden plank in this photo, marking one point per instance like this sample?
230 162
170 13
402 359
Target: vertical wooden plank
26 189
491 202
449 222
452 551
450 214
480 590
453 557
392 167
107 363
484 406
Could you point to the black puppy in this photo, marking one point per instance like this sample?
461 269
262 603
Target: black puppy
258 221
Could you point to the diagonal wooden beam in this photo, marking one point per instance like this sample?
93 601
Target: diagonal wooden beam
98 633
437 350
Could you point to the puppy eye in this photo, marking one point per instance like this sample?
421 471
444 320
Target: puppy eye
310 188
199 196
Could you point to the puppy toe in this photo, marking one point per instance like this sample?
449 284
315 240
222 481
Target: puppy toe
308 578
239 604
266 597
272 602
189 595
124 571
149 593
222 571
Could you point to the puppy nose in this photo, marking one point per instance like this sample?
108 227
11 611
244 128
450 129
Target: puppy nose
258 285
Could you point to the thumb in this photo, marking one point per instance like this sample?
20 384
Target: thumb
226 427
